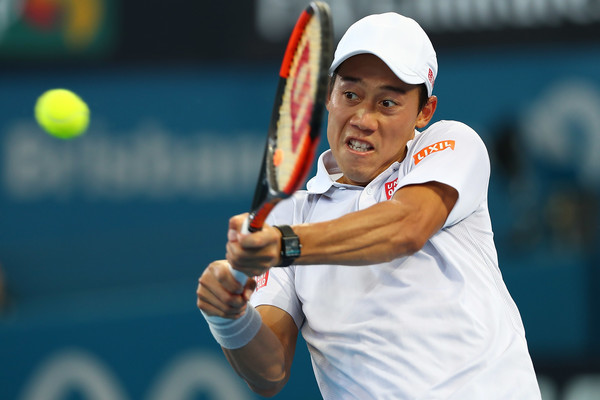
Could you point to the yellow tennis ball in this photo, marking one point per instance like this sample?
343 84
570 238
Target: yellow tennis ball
62 113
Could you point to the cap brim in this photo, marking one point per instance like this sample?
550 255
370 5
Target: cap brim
405 76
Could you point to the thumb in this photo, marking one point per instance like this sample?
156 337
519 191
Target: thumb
235 226
249 289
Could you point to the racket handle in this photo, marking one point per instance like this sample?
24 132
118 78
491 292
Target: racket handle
246 226
238 275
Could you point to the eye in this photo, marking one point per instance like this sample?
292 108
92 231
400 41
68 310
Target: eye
350 95
388 103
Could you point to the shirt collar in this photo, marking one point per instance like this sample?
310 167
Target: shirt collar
328 172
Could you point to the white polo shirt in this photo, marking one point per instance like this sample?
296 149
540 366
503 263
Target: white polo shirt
439 324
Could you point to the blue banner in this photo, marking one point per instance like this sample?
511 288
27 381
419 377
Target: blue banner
102 238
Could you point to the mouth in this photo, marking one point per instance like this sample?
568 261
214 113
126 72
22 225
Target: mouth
359 146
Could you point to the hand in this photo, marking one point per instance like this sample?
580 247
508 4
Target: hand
220 294
253 253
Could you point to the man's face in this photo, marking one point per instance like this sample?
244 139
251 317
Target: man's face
372 115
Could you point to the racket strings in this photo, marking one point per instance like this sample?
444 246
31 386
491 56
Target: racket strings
295 114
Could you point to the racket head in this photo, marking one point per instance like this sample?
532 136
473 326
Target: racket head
296 120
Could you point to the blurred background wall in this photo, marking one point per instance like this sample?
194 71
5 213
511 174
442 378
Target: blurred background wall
102 238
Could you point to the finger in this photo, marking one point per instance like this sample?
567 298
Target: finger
213 300
252 249
244 260
218 282
249 289
255 240
228 281
232 235
212 310
236 222
268 239
209 304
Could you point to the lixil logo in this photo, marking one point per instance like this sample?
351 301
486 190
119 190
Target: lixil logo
439 146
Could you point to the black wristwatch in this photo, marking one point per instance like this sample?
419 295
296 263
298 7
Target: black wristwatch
290 245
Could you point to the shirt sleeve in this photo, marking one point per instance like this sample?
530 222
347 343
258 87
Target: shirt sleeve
452 153
277 286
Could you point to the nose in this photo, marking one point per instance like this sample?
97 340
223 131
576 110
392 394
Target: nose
365 119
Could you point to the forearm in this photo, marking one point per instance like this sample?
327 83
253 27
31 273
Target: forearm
259 345
376 234
261 363
380 233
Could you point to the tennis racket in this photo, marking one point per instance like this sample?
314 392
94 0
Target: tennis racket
295 124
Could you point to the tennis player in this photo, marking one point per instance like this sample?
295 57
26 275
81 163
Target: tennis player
386 263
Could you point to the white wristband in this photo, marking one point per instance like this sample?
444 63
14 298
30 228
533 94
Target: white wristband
235 333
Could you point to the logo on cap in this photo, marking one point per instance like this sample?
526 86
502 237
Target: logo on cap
430 77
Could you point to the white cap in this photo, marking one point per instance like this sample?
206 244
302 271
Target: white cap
398 41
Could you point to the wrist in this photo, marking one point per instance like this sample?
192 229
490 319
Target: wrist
235 333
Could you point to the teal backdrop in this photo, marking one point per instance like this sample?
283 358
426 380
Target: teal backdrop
102 238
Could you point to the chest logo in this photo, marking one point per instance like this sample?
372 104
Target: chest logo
439 146
261 280
389 188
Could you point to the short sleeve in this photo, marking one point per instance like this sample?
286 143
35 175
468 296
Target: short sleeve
277 286
452 153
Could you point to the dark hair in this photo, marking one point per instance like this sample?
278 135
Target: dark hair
423 95
332 79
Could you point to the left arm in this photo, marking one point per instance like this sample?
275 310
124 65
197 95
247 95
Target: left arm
380 233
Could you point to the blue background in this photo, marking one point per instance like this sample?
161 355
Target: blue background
101 264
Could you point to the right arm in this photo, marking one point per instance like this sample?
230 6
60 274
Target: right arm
265 361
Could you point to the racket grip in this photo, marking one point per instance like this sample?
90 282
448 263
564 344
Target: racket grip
246 226
238 275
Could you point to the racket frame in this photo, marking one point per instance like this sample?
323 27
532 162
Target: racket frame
268 193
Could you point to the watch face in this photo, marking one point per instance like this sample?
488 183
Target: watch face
290 243
292 247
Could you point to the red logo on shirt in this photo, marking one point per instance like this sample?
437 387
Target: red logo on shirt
261 281
439 146
389 188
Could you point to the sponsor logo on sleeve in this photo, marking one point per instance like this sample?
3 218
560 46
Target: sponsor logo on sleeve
434 148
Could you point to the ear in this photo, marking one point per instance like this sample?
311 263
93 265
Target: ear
427 112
